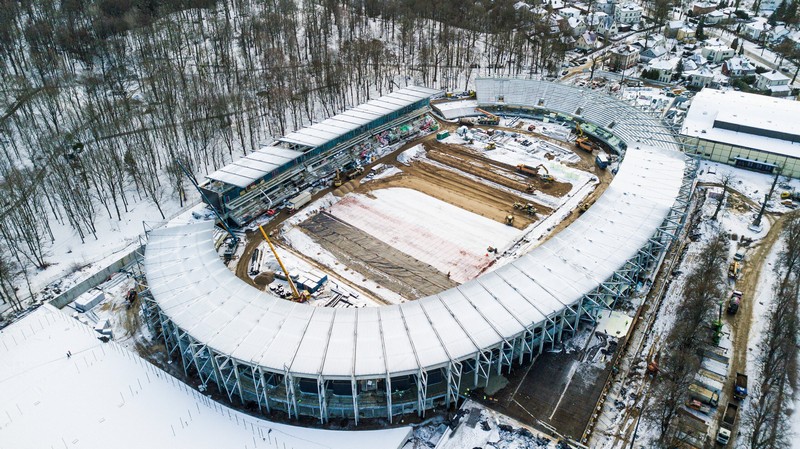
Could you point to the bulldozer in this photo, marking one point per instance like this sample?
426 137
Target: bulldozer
544 174
490 146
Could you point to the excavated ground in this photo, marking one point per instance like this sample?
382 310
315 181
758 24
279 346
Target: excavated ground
451 173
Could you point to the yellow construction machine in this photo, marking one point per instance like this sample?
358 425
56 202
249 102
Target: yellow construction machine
297 295
544 174
488 118
510 220
337 181
583 141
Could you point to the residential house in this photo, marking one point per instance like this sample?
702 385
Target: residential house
594 19
555 5
717 53
756 29
648 54
700 8
570 12
629 13
769 5
606 6
608 27
776 82
738 66
655 40
576 25
700 77
714 17
672 27
624 57
588 41
665 68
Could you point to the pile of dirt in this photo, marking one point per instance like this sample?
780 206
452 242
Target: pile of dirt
346 188
264 279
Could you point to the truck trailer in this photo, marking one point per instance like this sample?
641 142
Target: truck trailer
728 421
299 201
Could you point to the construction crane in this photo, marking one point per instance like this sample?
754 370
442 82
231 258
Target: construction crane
488 119
296 294
583 141
534 171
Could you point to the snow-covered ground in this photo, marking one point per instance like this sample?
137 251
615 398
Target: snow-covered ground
106 396
478 427
449 238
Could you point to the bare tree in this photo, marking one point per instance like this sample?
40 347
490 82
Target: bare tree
725 180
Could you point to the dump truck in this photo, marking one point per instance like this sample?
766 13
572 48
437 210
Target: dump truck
733 303
740 387
583 141
540 171
703 395
728 421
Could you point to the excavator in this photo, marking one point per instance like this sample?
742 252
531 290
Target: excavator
544 175
337 180
297 295
488 118
583 141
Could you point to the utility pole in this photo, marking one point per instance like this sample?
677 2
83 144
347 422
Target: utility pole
757 221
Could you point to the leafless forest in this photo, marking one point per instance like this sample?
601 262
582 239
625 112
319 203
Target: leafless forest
101 97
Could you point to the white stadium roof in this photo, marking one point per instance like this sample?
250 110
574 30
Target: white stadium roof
203 297
254 166
746 110
339 125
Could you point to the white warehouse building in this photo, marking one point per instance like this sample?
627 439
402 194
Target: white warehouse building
750 131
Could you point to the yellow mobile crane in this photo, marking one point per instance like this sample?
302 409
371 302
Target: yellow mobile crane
296 294
488 119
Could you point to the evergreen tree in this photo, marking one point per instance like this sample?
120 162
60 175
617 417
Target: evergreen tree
790 15
778 14
700 34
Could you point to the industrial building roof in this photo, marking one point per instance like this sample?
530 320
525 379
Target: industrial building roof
339 125
203 297
254 166
713 113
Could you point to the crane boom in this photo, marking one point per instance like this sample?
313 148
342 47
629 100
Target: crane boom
295 294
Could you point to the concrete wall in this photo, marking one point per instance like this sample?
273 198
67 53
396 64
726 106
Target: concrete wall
94 280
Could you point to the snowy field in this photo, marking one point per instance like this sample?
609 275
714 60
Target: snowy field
450 239
478 427
106 396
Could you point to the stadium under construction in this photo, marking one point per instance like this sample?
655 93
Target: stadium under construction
382 362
